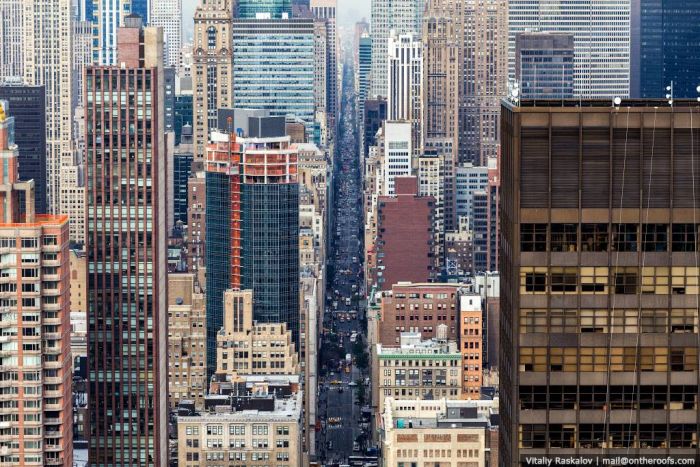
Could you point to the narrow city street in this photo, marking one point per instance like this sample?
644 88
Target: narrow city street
343 360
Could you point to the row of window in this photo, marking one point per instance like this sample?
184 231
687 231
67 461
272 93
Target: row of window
556 397
604 320
614 435
604 237
236 429
608 359
678 280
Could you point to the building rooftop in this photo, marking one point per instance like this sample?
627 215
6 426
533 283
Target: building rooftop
442 413
412 345
234 408
661 104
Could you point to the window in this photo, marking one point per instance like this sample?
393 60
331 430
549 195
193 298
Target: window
594 320
625 280
655 237
533 237
563 237
533 280
564 280
684 280
594 359
623 358
654 321
562 436
533 359
625 321
684 320
591 435
562 359
684 358
684 237
533 321
594 237
563 320
533 436
594 280
653 359
655 280
624 237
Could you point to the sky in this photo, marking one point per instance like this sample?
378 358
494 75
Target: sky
349 12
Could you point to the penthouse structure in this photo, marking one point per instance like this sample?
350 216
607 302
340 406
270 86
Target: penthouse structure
599 278
36 420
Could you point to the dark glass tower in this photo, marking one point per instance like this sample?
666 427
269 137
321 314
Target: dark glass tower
665 47
28 105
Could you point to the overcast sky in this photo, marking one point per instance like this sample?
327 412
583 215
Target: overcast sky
349 12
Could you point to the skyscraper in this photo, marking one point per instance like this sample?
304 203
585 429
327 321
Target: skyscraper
126 247
325 10
274 9
599 279
665 43
82 56
397 151
27 104
213 69
168 15
402 16
47 62
601 32
321 75
364 68
405 83
273 66
108 16
11 31
483 78
544 65
35 356
252 228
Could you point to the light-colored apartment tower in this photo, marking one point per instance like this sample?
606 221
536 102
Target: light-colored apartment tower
601 32
402 16
405 82
213 68
168 15
36 425
11 49
47 62
326 10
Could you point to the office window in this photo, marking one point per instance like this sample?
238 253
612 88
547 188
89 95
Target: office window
655 237
623 358
533 359
624 237
684 280
533 321
533 280
684 358
533 436
533 237
594 280
593 359
594 237
594 320
684 237
684 320
653 359
625 321
655 280
563 237
563 320
591 435
562 359
625 280
564 280
654 321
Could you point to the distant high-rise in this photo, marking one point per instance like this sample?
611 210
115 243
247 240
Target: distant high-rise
248 182
27 104
599 280
397 151
82 56
601 32
544 65
275 9
47 62
35 355
321 75
213 69
126 248
273 66
405 83
364 68
372 119
108 17
665 44
483 79
401 16
11 32
168 15
325 10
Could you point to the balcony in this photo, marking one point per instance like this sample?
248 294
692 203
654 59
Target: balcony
52 335
51 421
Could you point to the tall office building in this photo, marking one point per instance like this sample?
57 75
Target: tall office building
168 15
599 279
82 57
249 181
405 83
363 70
402 16
483 79
35 356
108 16
47 62
11 31
325 10
601 32
274 9
544 65
126 248
321 75
374 114
273 66
665 43
397 151
27 104
213 69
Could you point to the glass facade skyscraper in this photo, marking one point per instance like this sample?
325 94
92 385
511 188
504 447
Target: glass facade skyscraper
247 9
273 66
665 48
